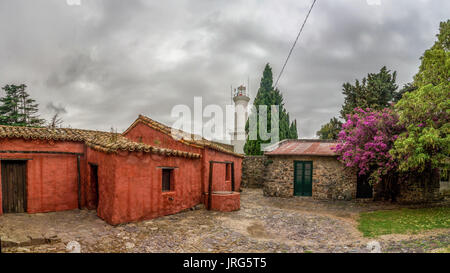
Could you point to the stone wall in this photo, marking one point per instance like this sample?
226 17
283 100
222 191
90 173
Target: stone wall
421 188
331 179
253 171
445 188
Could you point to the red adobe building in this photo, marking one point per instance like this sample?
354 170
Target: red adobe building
142 173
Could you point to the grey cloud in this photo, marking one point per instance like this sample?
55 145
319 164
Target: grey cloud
108 61
58 109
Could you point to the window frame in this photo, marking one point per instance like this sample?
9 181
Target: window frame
228 172
171 173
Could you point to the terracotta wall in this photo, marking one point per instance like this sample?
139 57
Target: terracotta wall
52 183
138 186
106 183
219 181
226 202
143 133
129 184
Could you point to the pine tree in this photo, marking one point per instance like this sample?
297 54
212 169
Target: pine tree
330 130
17 108
375 91
29 108
268 96
9 107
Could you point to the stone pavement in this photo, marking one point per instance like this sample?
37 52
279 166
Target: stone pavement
262 225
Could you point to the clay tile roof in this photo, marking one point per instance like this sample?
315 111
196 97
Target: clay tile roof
98 140
302 147
184 137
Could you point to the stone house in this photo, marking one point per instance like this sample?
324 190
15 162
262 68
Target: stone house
303 167
309 168
142 173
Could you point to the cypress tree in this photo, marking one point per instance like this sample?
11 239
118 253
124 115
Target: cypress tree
293 130
268 96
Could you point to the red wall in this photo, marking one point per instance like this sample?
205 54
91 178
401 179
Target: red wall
106 183
156 138
130 184
225 202
219 182
52 180
138 186
151 136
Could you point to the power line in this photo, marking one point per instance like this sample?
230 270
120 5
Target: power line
295 42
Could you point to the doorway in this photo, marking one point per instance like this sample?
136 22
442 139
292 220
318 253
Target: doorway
94 184
303 178
363 187
14 186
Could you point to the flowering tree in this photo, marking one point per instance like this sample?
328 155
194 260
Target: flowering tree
425 113
425 144
365 141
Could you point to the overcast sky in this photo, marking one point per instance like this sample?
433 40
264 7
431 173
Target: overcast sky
102 63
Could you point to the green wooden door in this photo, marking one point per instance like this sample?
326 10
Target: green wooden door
303 178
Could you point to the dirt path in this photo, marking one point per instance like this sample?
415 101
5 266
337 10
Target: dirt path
262 225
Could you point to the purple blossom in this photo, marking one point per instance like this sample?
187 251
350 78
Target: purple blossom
366 138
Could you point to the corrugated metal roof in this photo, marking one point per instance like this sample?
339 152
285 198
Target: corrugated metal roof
302 147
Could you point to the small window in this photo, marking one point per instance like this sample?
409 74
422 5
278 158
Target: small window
167 180
228 172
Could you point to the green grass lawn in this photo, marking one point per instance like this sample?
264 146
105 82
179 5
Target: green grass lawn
442 250
402 221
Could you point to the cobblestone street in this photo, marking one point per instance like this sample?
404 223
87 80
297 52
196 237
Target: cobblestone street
262 225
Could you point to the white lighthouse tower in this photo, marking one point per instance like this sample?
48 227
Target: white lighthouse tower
241 99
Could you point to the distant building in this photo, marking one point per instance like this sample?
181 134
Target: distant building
241 99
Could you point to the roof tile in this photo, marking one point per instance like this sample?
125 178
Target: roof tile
184 137
98 140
